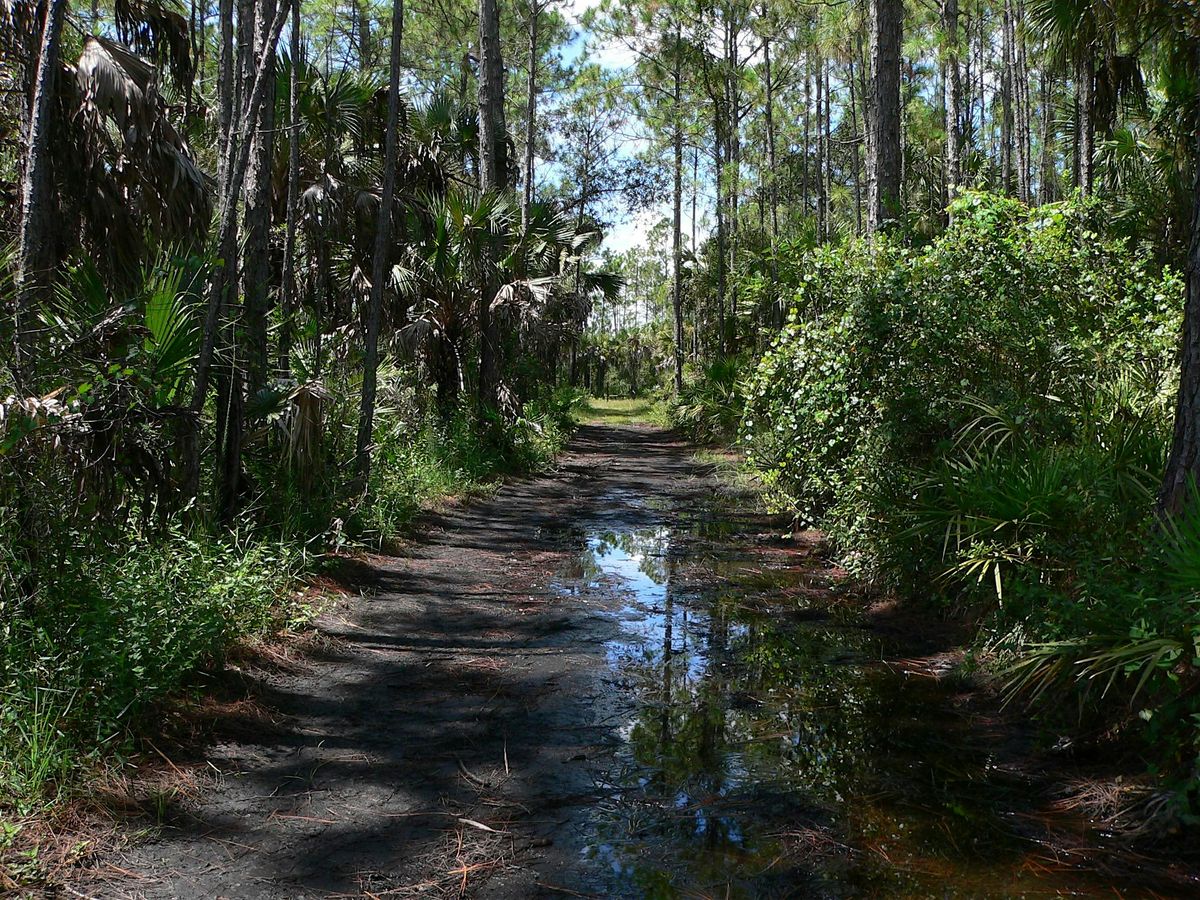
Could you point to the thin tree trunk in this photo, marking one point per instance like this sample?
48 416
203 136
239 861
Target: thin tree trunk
1021 69
772 182
953 98
293 199
677 211
530 112
804 202
225 275
735 175
1006 98
493 176
256 274
827 187
1047 192
981 81
856 139
718 160
883 146
235 168
1183 465
362 14
821 202
383 239
37 217
1086 138
226 90
229 371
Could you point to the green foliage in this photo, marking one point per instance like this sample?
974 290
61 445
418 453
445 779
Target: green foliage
456 458
895 362
111 632
986 420
710 404
113 600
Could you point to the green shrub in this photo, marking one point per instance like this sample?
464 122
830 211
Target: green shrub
892 359
710 404
985 421
114 631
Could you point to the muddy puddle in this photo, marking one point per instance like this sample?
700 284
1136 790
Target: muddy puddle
770 745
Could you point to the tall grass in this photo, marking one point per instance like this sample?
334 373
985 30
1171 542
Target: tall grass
114 631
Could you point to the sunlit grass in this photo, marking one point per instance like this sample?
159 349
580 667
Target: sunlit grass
628 411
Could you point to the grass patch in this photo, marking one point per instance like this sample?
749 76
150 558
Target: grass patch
628 411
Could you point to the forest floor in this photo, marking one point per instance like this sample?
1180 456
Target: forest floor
617 679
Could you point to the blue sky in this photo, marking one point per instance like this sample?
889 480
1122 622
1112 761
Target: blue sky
632 229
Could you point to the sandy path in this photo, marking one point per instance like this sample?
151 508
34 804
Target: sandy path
445 740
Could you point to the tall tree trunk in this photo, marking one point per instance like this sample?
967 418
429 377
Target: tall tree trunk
718 166
230 373
362 16
1021 82
530 112
1047 182
1183 465
256 274
383 240
827 187
822 205
289 286
677 209
804 201
1006 98
981 35
1085 142
883 146
696 321
855 140
224 276
34 258
226 89
233 167
953 98
772 180
735 170
493 176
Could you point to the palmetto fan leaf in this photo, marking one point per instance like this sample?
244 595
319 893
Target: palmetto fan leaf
173 334
139 168
158 28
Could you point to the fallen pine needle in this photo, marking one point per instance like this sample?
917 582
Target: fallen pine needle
481 826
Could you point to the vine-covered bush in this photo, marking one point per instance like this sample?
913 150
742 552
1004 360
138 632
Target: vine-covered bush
902 372
986 420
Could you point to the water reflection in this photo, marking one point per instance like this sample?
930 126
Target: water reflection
769 753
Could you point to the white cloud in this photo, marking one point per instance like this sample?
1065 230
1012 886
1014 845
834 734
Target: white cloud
634 230
610 54
574 9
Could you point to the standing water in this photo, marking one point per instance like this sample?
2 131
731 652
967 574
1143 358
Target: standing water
770 744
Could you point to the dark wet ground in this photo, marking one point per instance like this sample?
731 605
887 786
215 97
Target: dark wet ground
620 681
771 750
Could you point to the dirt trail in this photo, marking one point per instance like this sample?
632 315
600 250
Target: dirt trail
444 739
617 680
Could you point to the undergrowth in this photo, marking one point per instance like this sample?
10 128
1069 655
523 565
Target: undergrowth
984 422
104 624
